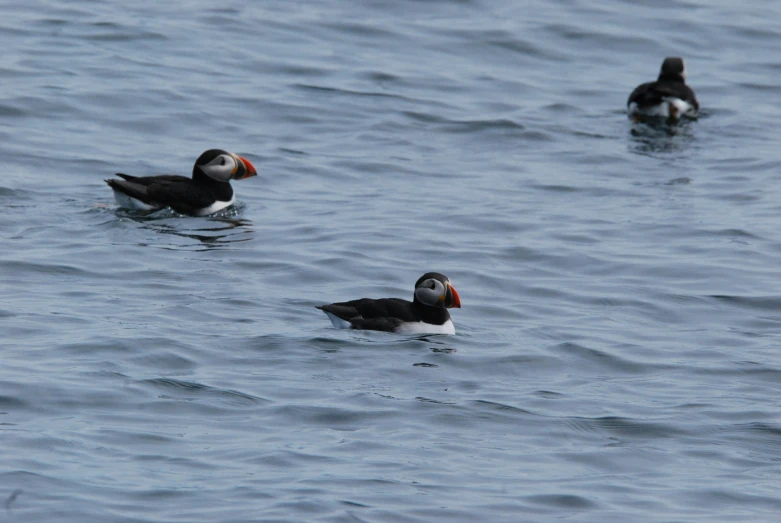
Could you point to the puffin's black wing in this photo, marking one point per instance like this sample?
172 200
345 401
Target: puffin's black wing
384 315
134 190
644 95
677 90
654 93
178 192
139 187
182 195
149 180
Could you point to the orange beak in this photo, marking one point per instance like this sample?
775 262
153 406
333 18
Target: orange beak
249 169
456 300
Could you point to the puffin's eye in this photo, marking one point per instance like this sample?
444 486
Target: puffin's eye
433 285
222 160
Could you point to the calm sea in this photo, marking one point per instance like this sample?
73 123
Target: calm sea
618 353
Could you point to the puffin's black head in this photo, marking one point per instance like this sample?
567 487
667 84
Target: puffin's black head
673 67
434 289
223 166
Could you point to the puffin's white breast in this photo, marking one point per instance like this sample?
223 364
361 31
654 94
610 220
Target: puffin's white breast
215 207
419 327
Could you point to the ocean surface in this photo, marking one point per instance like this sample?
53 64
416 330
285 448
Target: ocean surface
618 354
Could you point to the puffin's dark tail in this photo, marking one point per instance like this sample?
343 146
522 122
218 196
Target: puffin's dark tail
129 188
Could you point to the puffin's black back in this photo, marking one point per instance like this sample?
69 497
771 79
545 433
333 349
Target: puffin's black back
385 314
182 194
670 84
654 93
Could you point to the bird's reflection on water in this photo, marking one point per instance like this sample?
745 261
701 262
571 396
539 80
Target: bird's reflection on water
211 232
660 136
228 231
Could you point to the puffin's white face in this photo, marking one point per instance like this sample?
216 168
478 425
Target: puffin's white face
434 293
222 167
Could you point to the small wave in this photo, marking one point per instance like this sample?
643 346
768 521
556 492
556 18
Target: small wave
20 267
362 30
504 407
424 399
351 92
480 124
192 390
13 194
566 501
126 35
11 111
556 188
764 303
12 403
602 358
625 427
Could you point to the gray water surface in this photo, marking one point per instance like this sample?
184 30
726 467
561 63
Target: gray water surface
617 356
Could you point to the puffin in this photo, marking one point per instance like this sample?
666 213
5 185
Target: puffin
668 97
208 191
425 314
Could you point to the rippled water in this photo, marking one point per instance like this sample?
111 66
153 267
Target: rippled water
617 354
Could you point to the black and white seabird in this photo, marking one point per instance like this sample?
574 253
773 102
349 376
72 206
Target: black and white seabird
667 97
425 314
208 191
